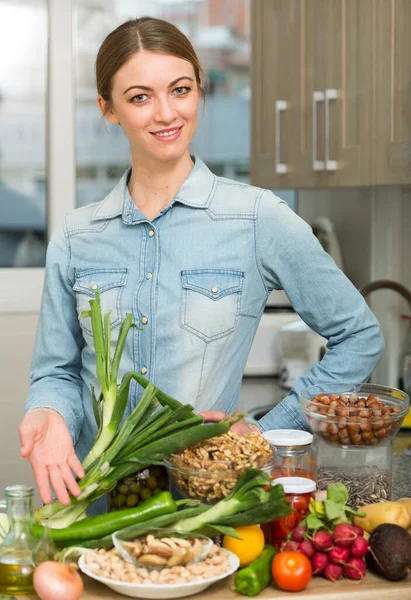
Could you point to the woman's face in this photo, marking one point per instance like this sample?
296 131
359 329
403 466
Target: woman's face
155 99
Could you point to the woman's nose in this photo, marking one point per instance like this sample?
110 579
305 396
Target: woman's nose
165 111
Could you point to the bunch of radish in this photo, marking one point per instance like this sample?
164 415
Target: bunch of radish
333 554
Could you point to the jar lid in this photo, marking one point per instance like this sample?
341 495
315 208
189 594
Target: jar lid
296 485
288 437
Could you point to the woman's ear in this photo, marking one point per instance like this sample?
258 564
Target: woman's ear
107 111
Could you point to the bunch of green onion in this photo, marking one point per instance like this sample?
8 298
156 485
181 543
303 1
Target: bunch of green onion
156 428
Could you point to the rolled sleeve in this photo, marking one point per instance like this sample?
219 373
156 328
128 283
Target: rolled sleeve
56 364
291 258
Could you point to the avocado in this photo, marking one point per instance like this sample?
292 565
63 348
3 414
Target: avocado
390 551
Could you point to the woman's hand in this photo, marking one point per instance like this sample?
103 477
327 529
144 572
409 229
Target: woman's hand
241 427
46 442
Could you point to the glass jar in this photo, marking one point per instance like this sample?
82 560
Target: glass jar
298 491
133 490
366 471
17 550
294 452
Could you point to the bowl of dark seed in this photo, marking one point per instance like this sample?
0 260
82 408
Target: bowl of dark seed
354 414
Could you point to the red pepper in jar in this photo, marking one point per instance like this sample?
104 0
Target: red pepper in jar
299 491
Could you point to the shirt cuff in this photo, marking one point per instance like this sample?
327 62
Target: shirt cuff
52 400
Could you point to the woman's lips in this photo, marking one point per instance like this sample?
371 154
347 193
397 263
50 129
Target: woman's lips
168 135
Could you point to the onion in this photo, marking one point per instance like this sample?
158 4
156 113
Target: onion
54 580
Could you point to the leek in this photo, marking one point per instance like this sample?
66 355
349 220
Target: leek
109 407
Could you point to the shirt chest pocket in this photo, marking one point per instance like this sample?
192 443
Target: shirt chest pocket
210 301
109 283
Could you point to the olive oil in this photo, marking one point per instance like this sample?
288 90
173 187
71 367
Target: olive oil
16 579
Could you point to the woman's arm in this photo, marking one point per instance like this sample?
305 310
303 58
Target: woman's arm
56 363
290 257
47 435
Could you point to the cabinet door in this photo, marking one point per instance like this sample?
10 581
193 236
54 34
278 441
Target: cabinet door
349 87
393 97
275 92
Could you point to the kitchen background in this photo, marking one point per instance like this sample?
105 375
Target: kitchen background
310 98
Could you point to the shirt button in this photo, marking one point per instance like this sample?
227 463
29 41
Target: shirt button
214 289
144 320
151 233
127 215
149 275
144 370
94 286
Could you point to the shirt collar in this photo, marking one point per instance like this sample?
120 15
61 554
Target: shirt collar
196 191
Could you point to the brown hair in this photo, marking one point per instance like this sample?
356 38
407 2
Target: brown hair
145 33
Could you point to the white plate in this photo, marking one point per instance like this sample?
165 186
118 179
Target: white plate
164 590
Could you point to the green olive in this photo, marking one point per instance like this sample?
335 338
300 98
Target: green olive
132 500
156 491
120 500
151 483
122 488
145 494
135 488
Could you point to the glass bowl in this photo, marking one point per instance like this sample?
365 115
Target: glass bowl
354 414
212 484
161 548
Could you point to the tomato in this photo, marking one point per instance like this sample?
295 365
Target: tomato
292 571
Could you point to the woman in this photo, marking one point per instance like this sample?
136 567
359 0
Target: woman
192 256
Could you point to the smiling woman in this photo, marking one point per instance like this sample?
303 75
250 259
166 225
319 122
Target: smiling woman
190 255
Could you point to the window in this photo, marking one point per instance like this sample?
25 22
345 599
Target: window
23 175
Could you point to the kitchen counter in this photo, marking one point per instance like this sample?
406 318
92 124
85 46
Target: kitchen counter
317 589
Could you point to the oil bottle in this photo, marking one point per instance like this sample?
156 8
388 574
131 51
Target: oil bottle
16 552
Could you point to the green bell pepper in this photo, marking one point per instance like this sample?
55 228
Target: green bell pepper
251 580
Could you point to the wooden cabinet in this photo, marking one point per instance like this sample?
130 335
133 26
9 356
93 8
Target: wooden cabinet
393 92
275 91
340 71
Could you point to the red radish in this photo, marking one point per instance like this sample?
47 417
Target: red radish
322 540
307 548
297 534
344 534
332 572
355 568
319 562
289 546
359 547
338 555
358 530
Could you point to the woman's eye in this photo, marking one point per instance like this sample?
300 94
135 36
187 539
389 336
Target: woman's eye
139 98
180 91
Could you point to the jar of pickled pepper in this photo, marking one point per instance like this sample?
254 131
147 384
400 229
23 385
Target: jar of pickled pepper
298 491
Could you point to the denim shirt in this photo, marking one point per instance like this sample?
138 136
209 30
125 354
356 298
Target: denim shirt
196 278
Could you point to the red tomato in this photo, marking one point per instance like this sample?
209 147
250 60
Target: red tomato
292 571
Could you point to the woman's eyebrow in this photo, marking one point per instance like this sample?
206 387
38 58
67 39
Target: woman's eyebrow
149 89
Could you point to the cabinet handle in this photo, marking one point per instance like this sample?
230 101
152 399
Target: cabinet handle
330 165
280 106
318 96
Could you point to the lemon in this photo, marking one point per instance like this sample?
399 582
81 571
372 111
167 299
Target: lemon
249 547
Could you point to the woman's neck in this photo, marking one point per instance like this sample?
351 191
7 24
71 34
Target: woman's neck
152 186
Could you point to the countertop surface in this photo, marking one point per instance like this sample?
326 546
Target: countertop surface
318 589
